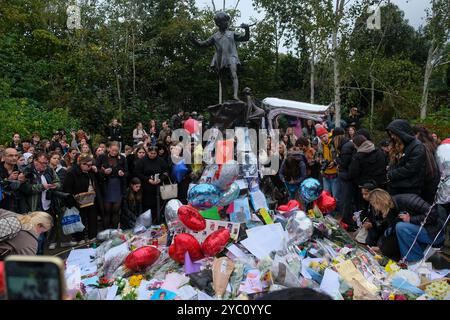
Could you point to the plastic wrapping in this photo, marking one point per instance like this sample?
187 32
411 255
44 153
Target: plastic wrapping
299 228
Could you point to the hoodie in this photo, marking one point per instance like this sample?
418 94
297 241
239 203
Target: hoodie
408 174
367 164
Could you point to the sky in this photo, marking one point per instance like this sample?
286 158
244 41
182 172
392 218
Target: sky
414 9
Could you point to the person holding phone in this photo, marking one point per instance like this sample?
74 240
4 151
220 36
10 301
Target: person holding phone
113 173
37 179
147 171
9 176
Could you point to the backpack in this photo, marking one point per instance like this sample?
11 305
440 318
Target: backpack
10 226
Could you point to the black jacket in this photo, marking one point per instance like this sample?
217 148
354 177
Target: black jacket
77 182
145 169
114 133
102 162
344 158
9 189
130 212
418 209
407 176
367 165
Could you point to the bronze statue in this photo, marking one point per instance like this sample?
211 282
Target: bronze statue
226 58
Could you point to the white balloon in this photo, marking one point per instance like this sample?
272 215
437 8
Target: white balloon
443 160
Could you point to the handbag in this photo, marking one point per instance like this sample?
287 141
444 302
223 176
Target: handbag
169 191
85 199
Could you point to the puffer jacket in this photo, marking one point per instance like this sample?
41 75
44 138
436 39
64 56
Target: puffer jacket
344 158
408 175
367 164
418 209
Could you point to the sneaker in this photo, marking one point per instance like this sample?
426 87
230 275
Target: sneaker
52 246
93 240
69 244
81 242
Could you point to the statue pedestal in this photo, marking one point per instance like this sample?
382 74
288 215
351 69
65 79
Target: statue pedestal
228 115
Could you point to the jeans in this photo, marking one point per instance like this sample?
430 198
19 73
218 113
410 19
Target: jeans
406 232
41 244
332 186
347 194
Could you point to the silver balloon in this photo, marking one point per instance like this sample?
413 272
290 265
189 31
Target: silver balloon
228 174
299 228
143 222
230 195
171 213
443 160
108 234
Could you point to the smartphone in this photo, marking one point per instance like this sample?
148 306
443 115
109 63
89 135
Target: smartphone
157 176
34 278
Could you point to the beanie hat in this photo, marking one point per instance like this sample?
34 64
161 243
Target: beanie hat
321 131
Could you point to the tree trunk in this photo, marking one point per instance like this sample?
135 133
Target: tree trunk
277 58
428 71
337 81
372 99
134 66
312 79
119 96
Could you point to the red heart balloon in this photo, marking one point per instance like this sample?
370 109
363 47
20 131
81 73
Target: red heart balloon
191 218
326 203
290 206
185 242
215 242
141 258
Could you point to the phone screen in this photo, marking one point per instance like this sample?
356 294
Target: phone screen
33 281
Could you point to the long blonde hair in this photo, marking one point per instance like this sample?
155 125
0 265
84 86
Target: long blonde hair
35 219
381 201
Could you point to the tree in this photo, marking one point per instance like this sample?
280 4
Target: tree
438 33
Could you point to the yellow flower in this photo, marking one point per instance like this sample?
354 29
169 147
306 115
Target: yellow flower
392 296
135 281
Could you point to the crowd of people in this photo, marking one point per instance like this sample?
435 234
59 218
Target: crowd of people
391 186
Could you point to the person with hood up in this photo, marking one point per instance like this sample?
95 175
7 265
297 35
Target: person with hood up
406 172
293 170
367 163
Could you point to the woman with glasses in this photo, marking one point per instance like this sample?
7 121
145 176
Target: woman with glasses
113 170
150 171
81 183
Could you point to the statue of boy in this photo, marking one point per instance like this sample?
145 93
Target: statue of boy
226 58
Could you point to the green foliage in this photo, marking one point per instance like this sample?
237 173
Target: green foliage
25 117
438 122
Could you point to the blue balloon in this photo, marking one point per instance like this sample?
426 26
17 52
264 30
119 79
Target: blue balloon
230 195
179 171
203 196
310 190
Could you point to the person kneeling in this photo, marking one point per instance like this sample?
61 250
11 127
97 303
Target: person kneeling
131 205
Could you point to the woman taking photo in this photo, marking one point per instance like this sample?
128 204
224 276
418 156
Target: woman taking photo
131 205
139 134
150 171
81 182
112 172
